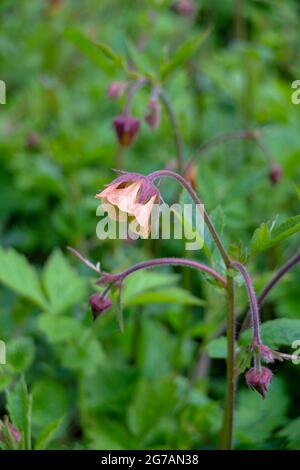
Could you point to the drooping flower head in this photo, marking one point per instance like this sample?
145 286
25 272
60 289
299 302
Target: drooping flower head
99 304
275 174
126 128
134 195
259 379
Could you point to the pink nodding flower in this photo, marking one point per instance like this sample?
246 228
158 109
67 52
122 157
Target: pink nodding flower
259 379
126 128
116 89
134 195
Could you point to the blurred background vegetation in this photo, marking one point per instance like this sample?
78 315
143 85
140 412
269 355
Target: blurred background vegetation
153 386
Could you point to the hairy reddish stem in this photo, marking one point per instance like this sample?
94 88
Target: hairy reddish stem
272 283
175 262
171 174
253 301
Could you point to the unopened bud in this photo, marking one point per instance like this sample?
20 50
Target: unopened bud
126 128
259 380
99 304
184 7
275 174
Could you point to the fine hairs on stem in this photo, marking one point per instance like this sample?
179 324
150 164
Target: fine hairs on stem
168 173
253 301
290 264
174 262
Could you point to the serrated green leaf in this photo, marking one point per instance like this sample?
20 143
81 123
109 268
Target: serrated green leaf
144 281
139 59
151 403
175 295
51 401
19 406
183 54
291 433
267 236
85 358
90 50
117 59
279 332
257 418
62 284
48 434
17 274
217 348
60 328
286 229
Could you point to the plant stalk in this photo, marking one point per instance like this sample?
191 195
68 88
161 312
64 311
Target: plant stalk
176 130
171 174
272 283
171 261
226 441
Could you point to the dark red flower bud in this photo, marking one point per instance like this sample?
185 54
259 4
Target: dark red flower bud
33 140
116 89
126 128
275 174
184 7
99 304
153 115
259 380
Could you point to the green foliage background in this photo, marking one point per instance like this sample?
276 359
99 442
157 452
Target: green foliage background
88 385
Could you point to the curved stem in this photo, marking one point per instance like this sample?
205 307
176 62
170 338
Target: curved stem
176 130
253 301
168 173
175 262
133 90
228 417
272 283
244 135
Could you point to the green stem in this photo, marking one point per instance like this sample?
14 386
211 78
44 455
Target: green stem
226 440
